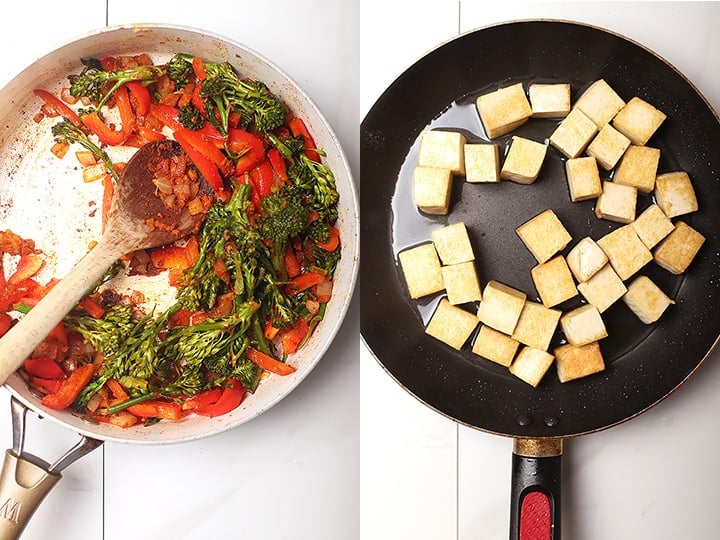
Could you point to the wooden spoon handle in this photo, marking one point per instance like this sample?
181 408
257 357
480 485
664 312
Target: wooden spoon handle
34 327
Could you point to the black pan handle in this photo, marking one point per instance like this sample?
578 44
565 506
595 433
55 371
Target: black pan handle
535 491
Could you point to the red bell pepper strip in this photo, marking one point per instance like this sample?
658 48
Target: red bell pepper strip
298 128
293 336
206 147
47 386
268 363
232 396
206 167
108 63
117 389
166 114
278 164
28 265
105 134
55 106
46 368
197 100
247 146
333 241
70 388
140 97
303 282
262 178
292 265
202 400
198 65
5 323
92 308
167 410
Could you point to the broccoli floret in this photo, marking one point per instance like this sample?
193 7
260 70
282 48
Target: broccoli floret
98 85
179 69
318 231
284 215
190 117
225 91
65 131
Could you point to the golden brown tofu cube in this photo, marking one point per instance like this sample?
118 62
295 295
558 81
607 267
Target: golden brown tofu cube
608 146
531 365
583 325
432 189
501 306
461 283
482 163
675 194
574 362
646 299
600 102
421 268
495 346
616 203
625 250
638 120
536 325
573 134
544 235
583 178
503 110
523 161
549 100
638 168
652 225
442 150
553 281
679 248
585 259
451 324
452 243
603 289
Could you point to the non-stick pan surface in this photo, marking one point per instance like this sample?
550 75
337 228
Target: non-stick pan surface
644 363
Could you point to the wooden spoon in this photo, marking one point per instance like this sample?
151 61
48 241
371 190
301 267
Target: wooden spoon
138 219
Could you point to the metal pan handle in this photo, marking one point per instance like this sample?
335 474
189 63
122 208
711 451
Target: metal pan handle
25 479
535 491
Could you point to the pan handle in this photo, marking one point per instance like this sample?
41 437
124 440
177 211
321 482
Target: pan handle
25 479
535 491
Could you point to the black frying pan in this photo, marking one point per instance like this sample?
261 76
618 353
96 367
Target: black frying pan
644 363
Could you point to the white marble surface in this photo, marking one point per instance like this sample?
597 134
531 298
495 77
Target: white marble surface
426 478
293 471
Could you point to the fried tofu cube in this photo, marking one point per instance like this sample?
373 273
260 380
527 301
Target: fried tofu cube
638 168
536 325
586 259
574 362
573 134
503 110
617 202
495 346
523 161
442 150
583 178
544 235
675 194
549 100
432 189
638 121
679 248
461 283
652 225
583 325
531 365
553 281
501 306
625 250
600 102
603 289
646 299
608 146
452 243
482 163
422 271
451 325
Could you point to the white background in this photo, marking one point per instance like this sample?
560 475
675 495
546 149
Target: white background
423 477
292 472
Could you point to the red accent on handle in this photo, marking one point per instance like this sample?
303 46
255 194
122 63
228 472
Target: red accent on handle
535 517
